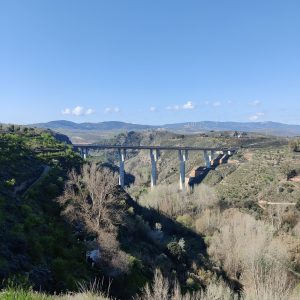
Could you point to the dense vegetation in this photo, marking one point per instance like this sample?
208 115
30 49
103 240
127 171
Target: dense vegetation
36 243
234 235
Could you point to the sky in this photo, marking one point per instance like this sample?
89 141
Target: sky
149 61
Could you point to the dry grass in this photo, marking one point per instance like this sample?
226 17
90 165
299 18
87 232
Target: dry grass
248 251
162 289
208 221
168 199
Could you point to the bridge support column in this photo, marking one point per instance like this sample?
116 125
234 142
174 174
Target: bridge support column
84 153
122 153
207 159
183 157
212 157
154 155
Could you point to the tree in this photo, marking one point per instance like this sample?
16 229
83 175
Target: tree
294 145
288 170
90 198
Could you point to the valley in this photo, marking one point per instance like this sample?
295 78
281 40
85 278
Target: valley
57 207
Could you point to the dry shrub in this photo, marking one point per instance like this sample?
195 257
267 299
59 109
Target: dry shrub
248 251
168 199
90 291
90 199
217 290
269 281
165 198
277 215
208 221
163 289
204 197
239 238
159 289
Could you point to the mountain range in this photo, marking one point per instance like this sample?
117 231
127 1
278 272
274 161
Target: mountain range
269 127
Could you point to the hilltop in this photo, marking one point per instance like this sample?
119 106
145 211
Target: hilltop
91 132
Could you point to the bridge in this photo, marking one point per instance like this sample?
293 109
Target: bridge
154 152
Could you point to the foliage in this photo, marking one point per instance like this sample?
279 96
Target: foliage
168 199
33 235
294 145
177 248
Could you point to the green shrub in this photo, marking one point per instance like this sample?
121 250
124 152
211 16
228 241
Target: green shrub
177 249
10 183
185 220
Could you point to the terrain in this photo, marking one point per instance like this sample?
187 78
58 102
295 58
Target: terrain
65 222
91 132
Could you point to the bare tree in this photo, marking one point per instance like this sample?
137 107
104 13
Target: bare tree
91 198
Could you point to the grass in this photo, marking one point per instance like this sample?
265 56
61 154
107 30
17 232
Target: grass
23 294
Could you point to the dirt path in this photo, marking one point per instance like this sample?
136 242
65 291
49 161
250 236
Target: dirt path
263 203
41 177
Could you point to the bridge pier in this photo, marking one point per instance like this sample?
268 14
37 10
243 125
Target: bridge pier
207 159
122 153
212 157
154 155
183 157
84 153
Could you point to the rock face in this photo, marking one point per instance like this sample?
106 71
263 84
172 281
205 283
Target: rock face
61 138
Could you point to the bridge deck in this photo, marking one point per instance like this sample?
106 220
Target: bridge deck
93 146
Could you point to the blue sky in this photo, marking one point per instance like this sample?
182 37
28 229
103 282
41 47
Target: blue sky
150 62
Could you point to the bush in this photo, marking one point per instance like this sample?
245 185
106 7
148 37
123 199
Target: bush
168 199
185 220
208 222
177 249
294 145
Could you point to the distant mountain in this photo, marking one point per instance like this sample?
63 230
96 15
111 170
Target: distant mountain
188 127
272 128
110 125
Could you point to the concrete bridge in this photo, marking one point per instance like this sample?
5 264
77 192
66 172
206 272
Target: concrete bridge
154 152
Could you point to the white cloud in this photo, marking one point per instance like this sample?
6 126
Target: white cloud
112 110
77 111
152 108
66 111
256 116
189 105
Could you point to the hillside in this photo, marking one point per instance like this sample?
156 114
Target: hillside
137 163
44 245
92 132
252 200
60 229
36 243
